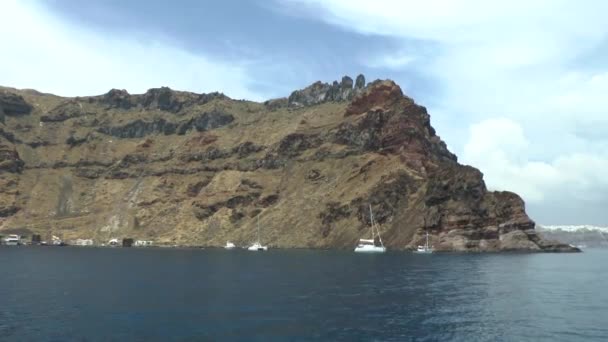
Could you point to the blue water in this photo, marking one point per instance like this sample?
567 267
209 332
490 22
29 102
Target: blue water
89 294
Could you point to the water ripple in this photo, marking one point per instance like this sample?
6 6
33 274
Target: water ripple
156 294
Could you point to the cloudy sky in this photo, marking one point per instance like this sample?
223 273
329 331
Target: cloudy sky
516 88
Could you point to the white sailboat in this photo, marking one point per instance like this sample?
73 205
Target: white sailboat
369 245
257 246
229 245
426 248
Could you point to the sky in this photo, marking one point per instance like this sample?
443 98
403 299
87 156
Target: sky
518 89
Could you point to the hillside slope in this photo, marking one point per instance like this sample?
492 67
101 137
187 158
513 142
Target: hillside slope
196 169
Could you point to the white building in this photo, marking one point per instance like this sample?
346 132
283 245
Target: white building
83 242
143 243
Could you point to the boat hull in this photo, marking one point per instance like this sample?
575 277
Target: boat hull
370 249
257 247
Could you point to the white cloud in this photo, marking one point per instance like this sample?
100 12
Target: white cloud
522 61
498 148
395 61
465 21
493 58
42 52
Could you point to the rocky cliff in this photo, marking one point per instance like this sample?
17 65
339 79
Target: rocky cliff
197 169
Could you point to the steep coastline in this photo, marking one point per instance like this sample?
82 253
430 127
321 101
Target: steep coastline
196 169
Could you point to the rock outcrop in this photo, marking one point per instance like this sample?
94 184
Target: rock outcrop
9 159
320 92
13 104
116 98
140 128
162 99
66 110
199 169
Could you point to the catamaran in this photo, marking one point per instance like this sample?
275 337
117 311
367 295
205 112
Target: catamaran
369 245
257 246
12 240
426 248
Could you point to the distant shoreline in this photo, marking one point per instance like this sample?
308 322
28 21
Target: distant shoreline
200 247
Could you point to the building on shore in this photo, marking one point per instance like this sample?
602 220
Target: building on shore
83 242
143 243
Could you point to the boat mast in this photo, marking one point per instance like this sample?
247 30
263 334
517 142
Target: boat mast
371 220
258 228
371 215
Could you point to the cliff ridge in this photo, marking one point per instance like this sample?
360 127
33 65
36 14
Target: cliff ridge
197 169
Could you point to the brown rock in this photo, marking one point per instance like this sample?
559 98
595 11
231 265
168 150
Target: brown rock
12 104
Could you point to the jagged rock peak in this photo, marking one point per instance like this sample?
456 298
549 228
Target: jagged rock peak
360 82
320 92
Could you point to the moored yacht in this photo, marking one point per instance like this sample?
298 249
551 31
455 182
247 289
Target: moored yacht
229 245
257 246
12 240
426 249
369 245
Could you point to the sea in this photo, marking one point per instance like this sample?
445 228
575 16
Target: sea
162 294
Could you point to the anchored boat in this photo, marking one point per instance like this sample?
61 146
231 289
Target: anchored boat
369 245
257 246
426 249
12 240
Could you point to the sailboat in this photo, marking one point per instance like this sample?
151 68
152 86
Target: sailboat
229 245
426 248
369 245
257 246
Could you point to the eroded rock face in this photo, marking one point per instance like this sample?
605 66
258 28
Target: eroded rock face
384 120
379 95
13 105
117 98
67 110
9 159
163 99
206 121
140 128
462 215
170 166
206 98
